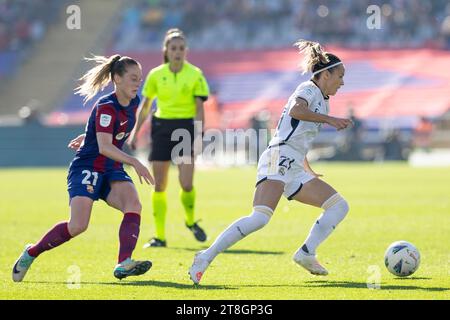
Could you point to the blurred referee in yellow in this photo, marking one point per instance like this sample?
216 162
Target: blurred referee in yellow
180 89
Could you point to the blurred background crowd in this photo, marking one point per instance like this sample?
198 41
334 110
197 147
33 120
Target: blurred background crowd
253 24
24 23
245 49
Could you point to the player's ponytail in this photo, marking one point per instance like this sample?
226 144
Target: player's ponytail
97 78
315 59
171 34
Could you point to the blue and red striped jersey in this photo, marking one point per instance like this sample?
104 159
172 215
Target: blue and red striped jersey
110 117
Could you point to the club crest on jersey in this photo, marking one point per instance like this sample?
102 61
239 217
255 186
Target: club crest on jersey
120 135
105 120
90 188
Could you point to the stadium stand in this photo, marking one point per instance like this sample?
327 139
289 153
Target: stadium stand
251 24
23 24
55 58
381 83
244 48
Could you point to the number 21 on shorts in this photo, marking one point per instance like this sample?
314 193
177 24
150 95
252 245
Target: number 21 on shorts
88 174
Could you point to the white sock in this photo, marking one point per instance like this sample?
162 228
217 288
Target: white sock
336 209
238 230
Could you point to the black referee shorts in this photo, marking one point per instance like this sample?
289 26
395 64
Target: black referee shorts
165 137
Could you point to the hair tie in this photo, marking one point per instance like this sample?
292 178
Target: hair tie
113 62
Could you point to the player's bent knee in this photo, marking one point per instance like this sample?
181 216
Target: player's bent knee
258 219
134 206
344 207
261 215
77 229
338 204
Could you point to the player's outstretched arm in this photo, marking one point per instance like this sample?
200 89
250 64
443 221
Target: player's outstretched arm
300 111
142 114
109 150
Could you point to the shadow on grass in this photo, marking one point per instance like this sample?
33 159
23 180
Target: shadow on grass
168 284
363 285
308 284
146 283
243 251
413 278
252 252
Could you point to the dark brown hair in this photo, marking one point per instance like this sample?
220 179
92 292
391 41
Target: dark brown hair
171 34
314 57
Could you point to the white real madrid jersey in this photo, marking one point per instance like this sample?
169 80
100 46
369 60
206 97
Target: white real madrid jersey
299 134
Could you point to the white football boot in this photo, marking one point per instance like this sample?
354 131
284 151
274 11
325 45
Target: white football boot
22 265
310 263
130 267
198 268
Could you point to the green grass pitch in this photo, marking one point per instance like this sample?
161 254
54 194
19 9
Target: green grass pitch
388 202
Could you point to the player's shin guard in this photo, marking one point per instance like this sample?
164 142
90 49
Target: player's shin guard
336 209
52 239
159 202
128 235
238 230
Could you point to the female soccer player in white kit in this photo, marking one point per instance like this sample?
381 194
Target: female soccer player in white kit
284 170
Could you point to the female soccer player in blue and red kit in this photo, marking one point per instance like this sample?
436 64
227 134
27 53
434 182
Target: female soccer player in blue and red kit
97 170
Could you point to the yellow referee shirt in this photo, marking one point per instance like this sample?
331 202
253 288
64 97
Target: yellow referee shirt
176 92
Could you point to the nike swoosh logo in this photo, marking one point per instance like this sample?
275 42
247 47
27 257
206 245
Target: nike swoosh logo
122 123
15 269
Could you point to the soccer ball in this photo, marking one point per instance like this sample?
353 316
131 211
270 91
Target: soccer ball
402 258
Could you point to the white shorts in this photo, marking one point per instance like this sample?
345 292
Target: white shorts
284 164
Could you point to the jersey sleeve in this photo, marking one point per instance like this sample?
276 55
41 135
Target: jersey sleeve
306 93
105 118
149 89
201 88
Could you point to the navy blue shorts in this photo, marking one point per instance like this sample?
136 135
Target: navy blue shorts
95 185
